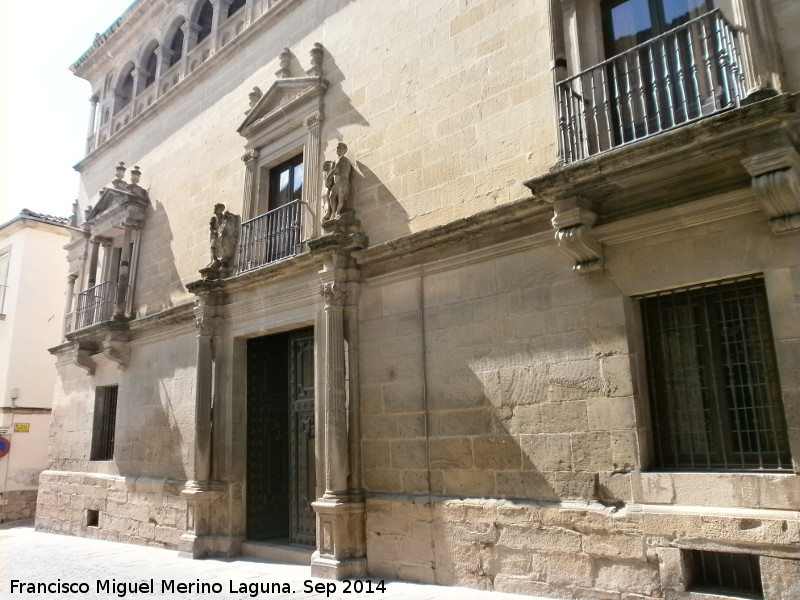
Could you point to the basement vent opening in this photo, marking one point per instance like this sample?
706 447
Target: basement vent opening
93 518
724 572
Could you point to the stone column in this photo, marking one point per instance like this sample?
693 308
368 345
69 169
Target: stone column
124 274
336 463
92 279
340 511
69 317
312 186
758 49
220 6
137 85
250 160
90 134
190 31
162 66
200 492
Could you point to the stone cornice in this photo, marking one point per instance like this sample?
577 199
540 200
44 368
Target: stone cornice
282 269
483 228
25 410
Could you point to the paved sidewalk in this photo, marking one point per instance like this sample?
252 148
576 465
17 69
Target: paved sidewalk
34 557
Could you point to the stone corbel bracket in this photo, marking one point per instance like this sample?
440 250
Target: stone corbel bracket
573 221
776 183
82 358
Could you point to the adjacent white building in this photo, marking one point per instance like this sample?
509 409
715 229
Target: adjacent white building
32 273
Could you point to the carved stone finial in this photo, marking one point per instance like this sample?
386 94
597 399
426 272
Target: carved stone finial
316 61
284 59
134 187
254 96
337 181
573 223
73 219
223 236
119 182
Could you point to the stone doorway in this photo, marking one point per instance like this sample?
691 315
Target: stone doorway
281 471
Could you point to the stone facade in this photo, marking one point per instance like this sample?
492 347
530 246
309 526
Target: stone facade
481 402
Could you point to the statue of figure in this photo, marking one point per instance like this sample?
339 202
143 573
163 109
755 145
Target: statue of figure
224 233
337 180
134 187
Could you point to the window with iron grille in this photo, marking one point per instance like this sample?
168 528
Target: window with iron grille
105 417
713 381
724 572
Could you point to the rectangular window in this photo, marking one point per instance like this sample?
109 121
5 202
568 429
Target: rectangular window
724 573
713 381
105 418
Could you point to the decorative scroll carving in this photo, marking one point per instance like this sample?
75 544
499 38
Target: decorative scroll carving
573 223
776 182
314 119
82 358
224 235
334 293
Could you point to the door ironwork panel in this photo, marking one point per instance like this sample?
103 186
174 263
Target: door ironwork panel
301 414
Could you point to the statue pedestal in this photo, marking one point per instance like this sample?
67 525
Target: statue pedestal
341 545
201 498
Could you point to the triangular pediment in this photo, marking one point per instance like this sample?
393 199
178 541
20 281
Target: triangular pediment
279 99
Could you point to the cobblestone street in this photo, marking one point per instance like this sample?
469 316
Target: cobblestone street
31 557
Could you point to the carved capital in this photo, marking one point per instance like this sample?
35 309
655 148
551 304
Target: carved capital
314 119
334 293
776 182
573 223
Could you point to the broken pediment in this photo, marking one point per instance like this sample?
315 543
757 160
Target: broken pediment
119 204
280 100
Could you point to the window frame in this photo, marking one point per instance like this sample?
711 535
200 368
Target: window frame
104 425
713 373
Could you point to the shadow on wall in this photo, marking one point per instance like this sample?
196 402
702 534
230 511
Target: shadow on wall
374 203
497 384
158 284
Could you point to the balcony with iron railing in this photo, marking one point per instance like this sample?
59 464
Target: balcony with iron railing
686 74
96 304
270 237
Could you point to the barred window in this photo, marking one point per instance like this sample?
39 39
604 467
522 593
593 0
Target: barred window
713 380
105 418
724 573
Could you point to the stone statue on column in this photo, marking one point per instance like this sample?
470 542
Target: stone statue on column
223 237
337 181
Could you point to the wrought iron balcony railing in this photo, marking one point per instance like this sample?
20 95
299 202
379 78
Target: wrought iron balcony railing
685 74
96 304
270 237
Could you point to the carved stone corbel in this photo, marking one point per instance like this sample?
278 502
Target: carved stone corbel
83 359
117 351
573 221
776 182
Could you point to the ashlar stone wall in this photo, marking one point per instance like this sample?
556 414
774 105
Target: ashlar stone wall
505 436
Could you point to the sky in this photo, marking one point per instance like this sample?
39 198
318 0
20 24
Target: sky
44 110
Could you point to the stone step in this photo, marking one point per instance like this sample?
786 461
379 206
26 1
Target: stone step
278 551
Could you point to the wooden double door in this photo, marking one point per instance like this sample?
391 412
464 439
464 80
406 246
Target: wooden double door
281 469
